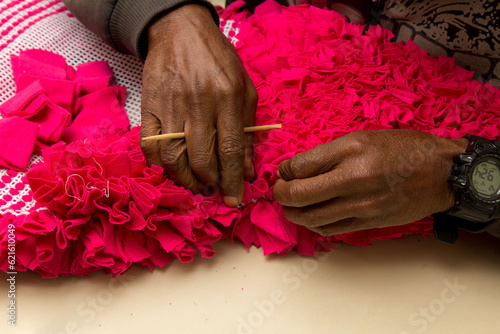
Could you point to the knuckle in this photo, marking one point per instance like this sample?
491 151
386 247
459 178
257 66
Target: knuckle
230 88
168 84
231 148
171 159
371 207
199 96
177 91
367 175
296 165
356 141
200 164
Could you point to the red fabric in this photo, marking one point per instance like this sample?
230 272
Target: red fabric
51 119
17 141
316 74
321 77
93 76
26 103
39 63
34 105
46 95
61 92
105 197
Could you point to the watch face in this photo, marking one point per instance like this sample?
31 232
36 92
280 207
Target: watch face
486 179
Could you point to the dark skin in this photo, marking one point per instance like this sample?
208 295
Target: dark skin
368 179
195 83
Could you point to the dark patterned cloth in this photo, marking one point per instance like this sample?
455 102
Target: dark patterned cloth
468 30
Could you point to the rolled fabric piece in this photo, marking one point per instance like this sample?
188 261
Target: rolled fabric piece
93 76
61 92
39 63
52 120
26 102
17 141
99 113
90 123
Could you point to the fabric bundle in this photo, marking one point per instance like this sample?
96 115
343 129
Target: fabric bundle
103 207
49 95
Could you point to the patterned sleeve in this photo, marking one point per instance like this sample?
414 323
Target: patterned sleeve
122 23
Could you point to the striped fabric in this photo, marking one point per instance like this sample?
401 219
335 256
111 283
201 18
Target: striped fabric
17 16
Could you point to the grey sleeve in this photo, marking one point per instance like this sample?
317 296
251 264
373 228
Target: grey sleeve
123 23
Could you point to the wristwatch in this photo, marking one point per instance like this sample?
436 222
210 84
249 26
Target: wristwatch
475 176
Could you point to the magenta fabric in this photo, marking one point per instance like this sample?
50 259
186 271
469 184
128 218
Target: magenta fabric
316 74
17 141
51 119
26 103
93 76
39 63
106 200
33 104
49 93
61 92
99 113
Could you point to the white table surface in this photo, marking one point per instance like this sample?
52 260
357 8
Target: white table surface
414 285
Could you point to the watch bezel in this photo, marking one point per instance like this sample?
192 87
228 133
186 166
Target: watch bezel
495 160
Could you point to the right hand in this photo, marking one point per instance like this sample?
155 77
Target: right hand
194 82
368 179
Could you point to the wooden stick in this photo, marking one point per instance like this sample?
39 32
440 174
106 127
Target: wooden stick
180 135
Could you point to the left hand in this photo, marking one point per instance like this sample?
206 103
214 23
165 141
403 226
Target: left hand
368 179
195 82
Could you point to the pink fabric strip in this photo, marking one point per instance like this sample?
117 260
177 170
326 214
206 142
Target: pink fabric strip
17 141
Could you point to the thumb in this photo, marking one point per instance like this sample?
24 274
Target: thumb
318 160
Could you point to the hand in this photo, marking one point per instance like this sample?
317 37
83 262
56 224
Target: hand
194 82
368 179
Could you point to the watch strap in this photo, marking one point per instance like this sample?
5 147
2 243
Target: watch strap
446 227
464 214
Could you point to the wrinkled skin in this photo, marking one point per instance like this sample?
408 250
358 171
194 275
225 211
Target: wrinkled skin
368 179
194 82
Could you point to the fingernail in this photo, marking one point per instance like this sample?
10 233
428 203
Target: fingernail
231 201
